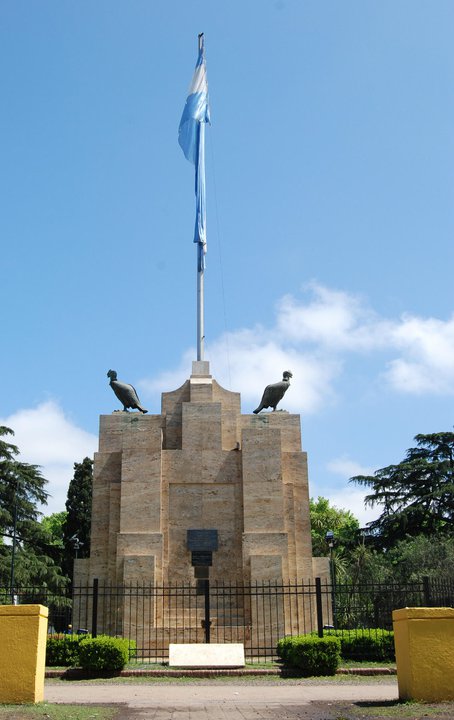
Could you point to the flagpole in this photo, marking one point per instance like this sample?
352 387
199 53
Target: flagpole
200 324
191 137
200 259
200 296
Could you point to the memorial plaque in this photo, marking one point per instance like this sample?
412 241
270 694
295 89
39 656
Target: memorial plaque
202 540
201 557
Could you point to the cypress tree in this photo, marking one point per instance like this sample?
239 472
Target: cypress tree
77 525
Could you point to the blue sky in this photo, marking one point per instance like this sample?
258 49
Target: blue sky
330 219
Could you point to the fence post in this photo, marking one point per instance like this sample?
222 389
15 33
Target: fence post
207 610
318 599
426 590
94 609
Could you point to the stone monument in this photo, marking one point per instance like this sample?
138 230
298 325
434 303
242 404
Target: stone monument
200 493
200 486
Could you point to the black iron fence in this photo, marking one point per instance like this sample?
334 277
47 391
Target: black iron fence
257 615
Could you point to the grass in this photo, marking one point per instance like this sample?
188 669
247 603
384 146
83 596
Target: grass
395 709
274 679
57 712
270 665
367 664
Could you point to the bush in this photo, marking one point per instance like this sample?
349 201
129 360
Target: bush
63 650
283 647
105 653
374 645
311 655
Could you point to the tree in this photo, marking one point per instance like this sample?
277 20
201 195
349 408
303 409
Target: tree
24 557
417 494
421 556
326 517
53 526
21 488
77 525
365 565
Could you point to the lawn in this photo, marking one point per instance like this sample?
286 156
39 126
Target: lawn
48 711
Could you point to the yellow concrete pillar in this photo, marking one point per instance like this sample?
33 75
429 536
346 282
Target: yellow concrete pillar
23 634
424 640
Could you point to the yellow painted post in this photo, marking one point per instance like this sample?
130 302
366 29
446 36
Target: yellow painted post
424 640
23 634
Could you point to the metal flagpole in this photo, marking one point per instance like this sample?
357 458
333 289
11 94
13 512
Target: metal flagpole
200 249
200 279
191 136
200 308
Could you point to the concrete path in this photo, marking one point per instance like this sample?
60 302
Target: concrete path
197 697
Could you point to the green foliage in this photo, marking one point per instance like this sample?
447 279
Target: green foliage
417 494
283 647
422 556
22 489
63 650
374 645
53 526
34 567
311 656
77 523
105 653
325 517
365 565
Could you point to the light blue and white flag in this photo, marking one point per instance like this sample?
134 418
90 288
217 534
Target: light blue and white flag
191 136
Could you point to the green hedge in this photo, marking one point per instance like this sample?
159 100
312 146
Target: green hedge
63 650
310 655
374 645
283 647
105 653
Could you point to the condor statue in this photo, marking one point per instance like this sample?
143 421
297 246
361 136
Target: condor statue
126 394
274 393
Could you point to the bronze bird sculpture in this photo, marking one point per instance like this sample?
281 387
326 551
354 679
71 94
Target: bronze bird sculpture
273 393
126 394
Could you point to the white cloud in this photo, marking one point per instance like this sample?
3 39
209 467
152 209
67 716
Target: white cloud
428 362
314 337
333 320
347 468
46 437
348 496
351 498
256 358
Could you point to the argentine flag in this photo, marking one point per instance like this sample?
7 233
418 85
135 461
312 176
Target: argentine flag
191 136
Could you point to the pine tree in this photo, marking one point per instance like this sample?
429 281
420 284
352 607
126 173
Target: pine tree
25 558
416 495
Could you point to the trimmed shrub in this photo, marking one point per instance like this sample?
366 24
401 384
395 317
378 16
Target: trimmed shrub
63 650
310 655
283 647
374 645
105 653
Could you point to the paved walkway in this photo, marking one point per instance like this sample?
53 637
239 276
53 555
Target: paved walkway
215 701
